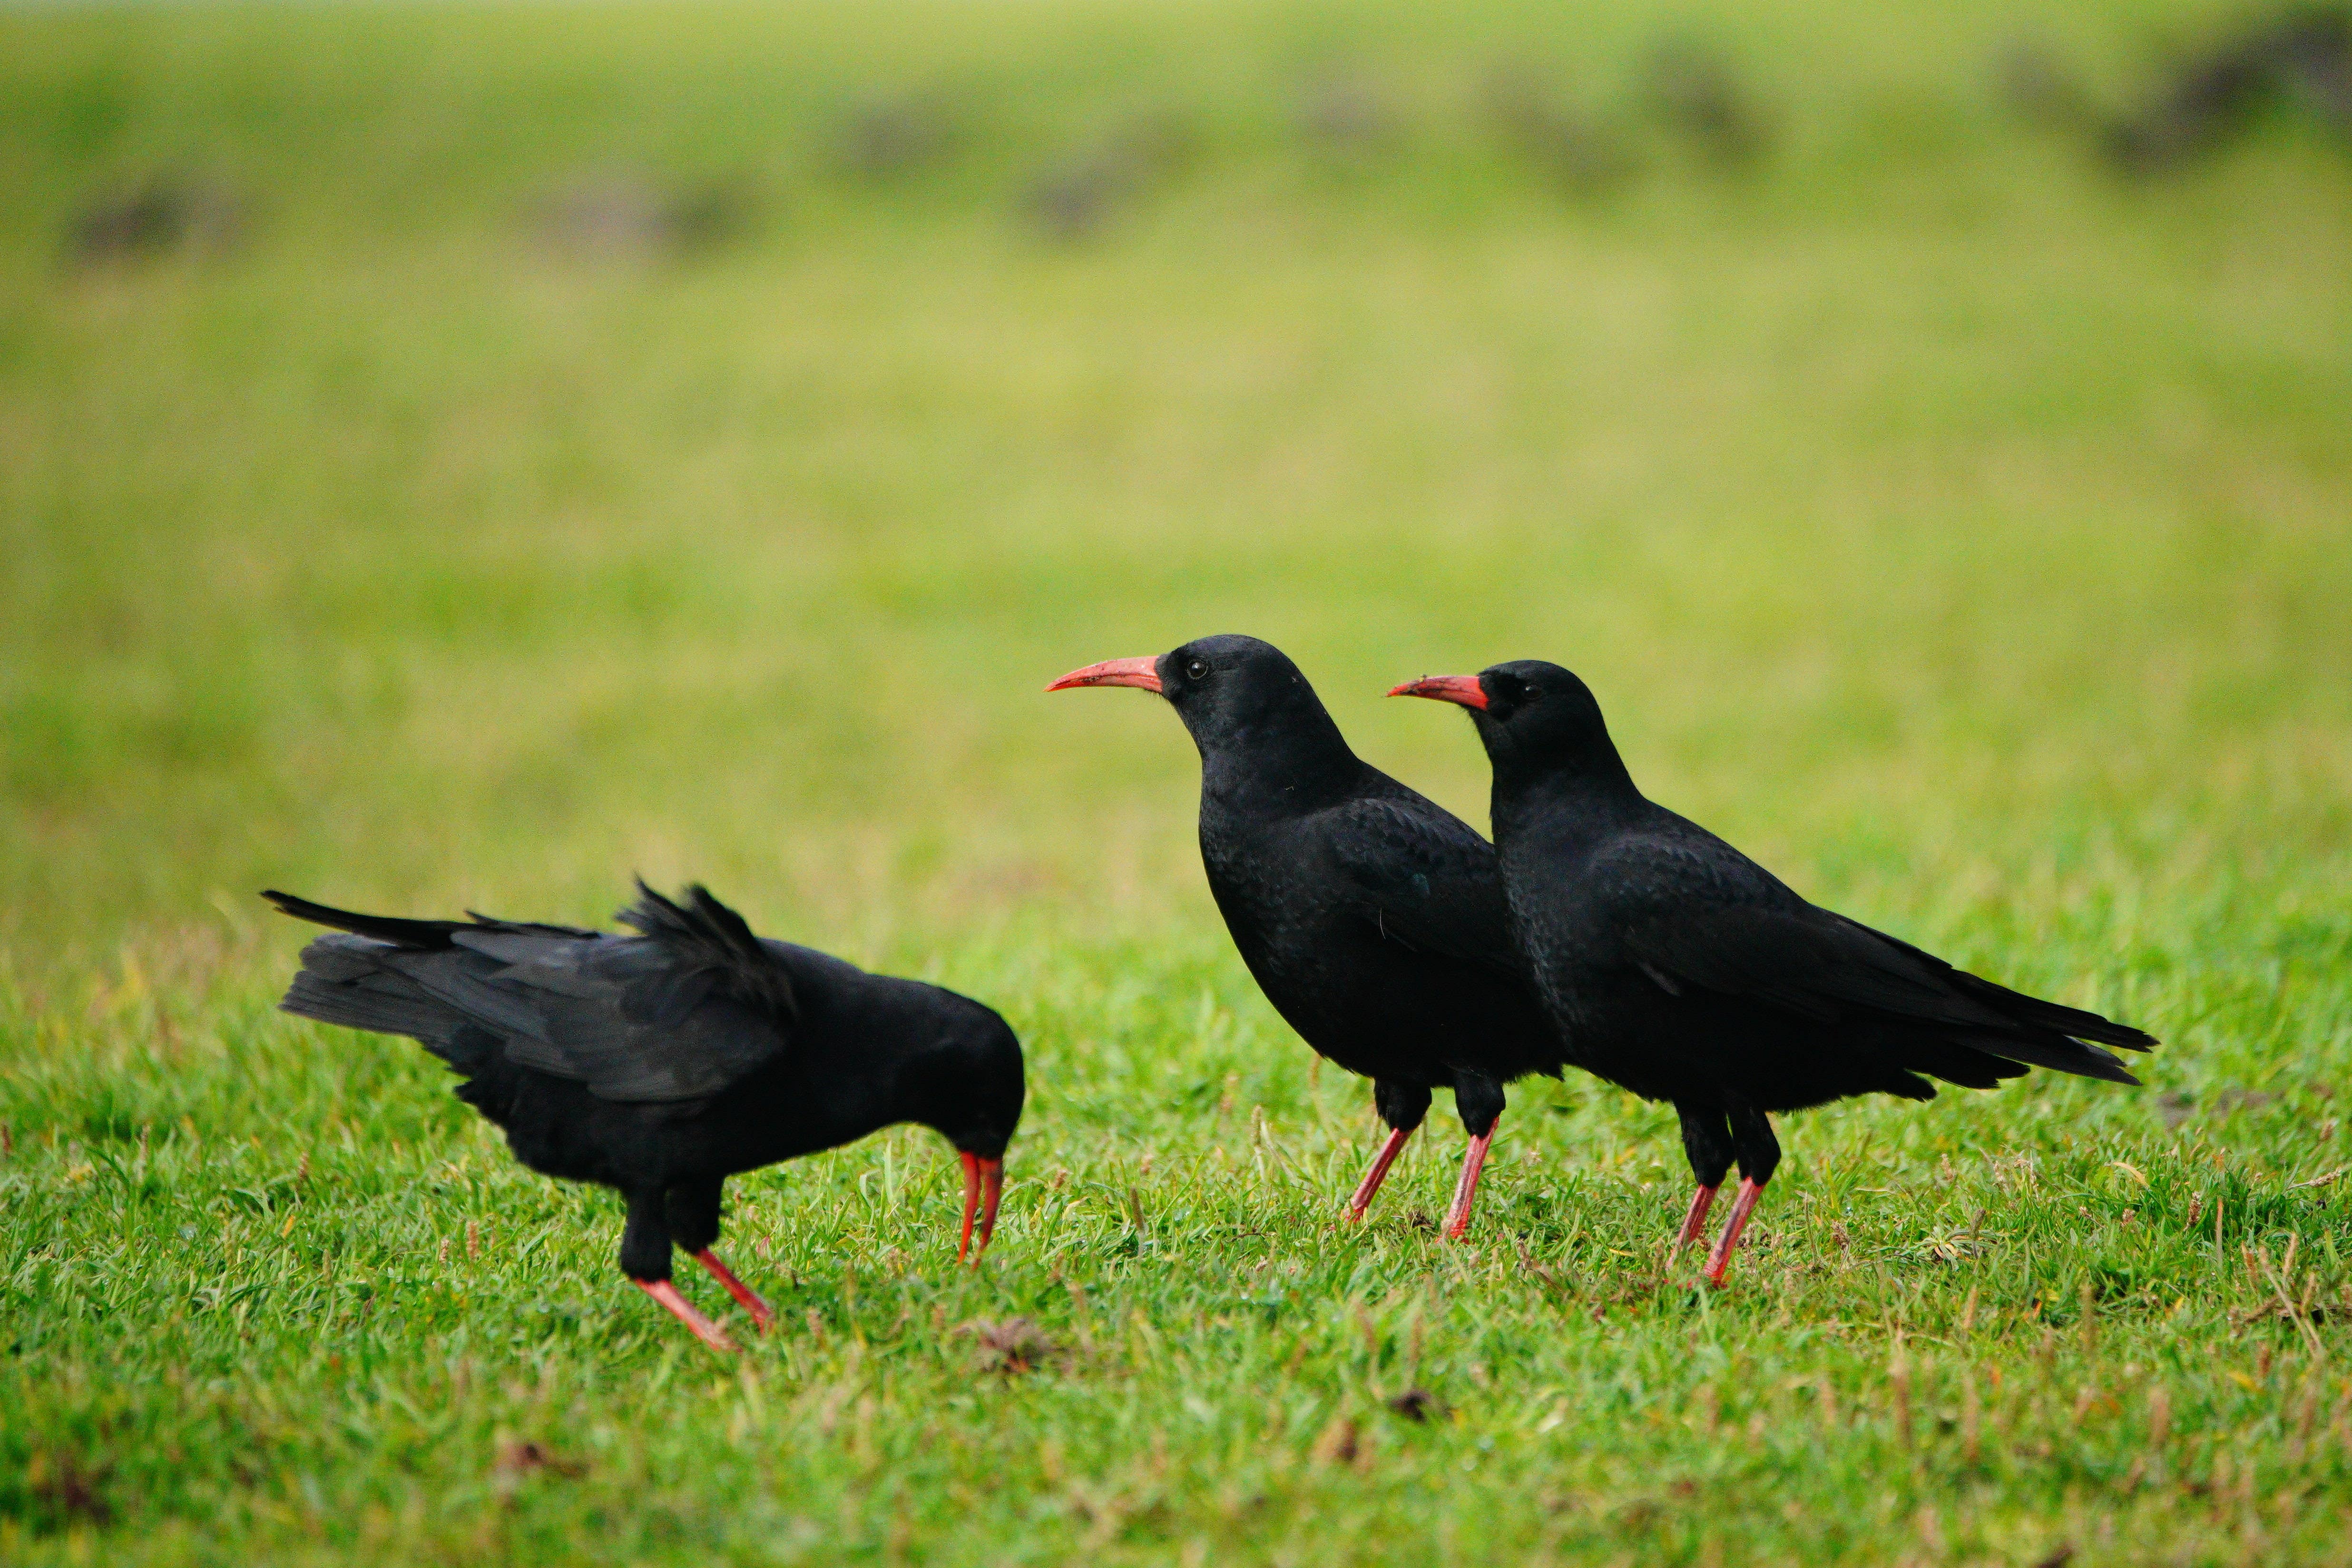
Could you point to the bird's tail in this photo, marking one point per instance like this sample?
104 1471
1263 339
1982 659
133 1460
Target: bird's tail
423 935
345 980
348 978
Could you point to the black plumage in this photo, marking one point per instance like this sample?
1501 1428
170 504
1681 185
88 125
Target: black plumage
1677 967
661 1064
1372 918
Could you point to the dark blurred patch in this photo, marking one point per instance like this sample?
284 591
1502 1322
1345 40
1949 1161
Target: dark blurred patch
889 138
527 1457
1579 155
1340 1443
159 216
68 1490
1694 92
631 215
1416 1404
1075 200
1014 1345
1349 119
2295 64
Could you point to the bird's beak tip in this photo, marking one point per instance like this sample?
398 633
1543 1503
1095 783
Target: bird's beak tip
984 1188
1140 673
1463 689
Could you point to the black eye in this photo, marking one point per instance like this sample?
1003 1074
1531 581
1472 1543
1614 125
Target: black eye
1196 668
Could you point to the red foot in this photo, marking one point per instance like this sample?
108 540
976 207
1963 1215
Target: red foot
760 1311
706 1330
1465 1190
1720 1258
980 1174
1701 1201
1378 1174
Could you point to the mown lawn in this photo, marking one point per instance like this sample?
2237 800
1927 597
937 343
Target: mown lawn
1957 525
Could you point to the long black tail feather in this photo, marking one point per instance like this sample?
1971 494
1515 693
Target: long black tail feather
344 981
421 934
2056 1016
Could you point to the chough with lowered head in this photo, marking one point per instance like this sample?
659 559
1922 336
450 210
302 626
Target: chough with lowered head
660 1064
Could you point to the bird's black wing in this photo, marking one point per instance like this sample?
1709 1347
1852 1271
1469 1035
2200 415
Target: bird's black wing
1692 916
1424 878
679 1012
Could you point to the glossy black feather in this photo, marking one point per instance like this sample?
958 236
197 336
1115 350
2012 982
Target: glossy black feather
1374 919
666 1061
1677 966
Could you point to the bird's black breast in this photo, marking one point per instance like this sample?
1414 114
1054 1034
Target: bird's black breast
1339 962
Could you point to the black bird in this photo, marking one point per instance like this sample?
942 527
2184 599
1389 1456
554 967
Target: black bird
1371 918
661 1064
1678 968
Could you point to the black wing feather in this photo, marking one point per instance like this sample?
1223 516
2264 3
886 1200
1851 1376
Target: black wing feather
1718 922
1425 878
679 1013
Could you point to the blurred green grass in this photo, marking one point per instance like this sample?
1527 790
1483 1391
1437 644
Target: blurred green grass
1958 527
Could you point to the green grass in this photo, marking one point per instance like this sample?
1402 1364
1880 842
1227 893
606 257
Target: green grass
1956 527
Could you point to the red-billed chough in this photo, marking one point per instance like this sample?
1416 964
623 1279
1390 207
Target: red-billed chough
1371 918
663 1063
1678 968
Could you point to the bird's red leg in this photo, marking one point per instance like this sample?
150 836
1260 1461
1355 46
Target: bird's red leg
1701 1201
1457 1218
984 1188
1378 1173
706 1330
761 1314
1720 1258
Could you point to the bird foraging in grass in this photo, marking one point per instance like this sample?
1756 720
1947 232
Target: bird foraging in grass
1370 917
660 1064
1678 968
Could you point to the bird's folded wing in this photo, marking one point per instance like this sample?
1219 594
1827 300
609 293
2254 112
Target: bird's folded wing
1699 921
679 1013
1424 878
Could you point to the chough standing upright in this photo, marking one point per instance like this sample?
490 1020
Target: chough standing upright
1372 916
1677 967
663 1063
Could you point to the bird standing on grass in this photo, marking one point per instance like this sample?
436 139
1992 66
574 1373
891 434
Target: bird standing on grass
661 1064
1371 918
1676 967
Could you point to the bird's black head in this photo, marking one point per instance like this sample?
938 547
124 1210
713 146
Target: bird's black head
1536 720
1238 696
971 1087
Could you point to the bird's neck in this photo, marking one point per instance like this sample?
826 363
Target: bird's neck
1282 771
1594 789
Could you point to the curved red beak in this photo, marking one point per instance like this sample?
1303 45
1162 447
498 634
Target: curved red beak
1462 688
1138 672
983 1186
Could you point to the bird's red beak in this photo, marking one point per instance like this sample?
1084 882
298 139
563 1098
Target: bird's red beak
1462 688
980 1177
1138 672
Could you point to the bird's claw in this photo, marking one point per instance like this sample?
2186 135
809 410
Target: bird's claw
709 1332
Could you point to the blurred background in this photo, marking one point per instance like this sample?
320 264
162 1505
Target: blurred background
461 456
